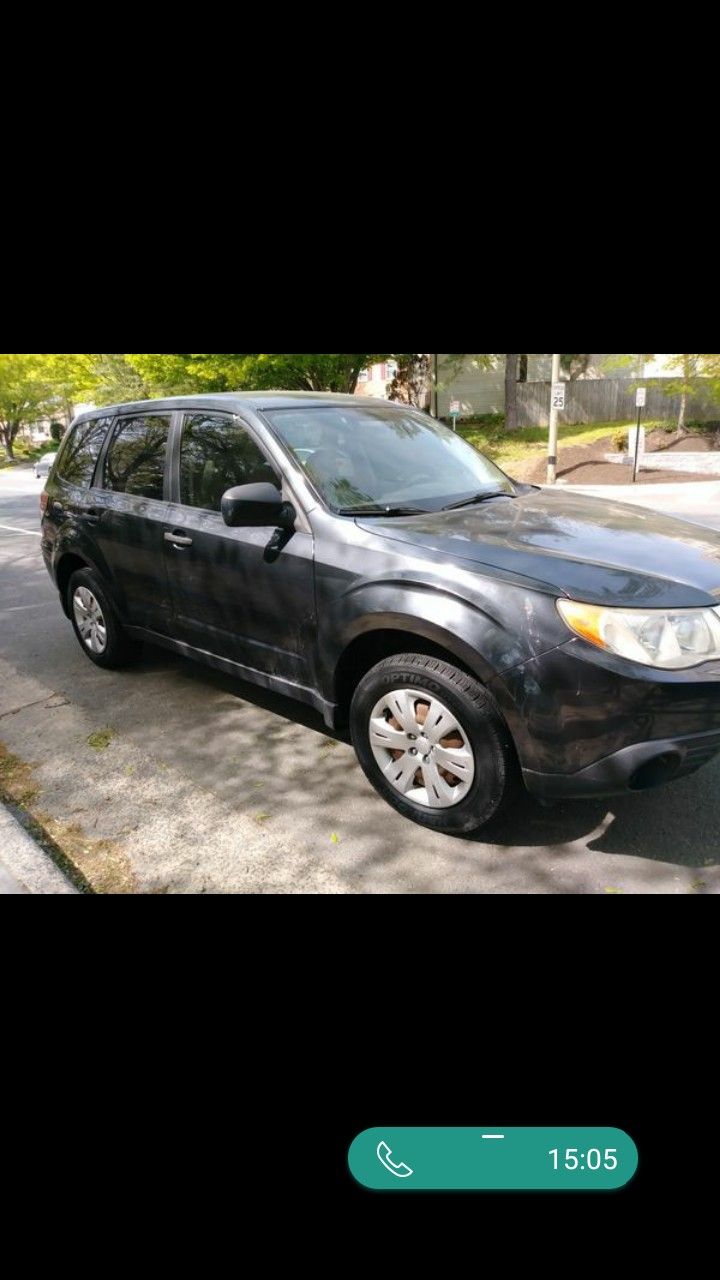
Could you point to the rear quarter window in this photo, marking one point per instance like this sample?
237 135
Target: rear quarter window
76 464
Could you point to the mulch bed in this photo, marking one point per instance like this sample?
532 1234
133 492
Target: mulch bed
585 464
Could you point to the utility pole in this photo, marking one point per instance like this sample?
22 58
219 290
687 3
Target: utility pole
434 396
557 394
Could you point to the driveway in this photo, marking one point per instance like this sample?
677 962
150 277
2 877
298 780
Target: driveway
171 778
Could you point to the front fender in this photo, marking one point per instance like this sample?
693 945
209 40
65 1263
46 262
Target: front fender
506 629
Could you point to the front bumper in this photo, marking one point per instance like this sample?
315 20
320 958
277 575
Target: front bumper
587 723
635 768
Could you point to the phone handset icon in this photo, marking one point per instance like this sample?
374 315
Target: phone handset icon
384 1156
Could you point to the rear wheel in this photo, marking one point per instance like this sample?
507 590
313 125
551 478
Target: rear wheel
432 742
95 621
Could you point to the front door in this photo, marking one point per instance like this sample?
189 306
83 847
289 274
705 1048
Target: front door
236 593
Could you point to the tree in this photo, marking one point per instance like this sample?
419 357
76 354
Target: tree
136 377
574 366
710 368
26 395
56 431
283 372
511 371
118 381
102 379
409 386
73 378
689 368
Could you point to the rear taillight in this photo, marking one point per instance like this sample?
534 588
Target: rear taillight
43 502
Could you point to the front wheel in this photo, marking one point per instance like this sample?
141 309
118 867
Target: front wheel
432 742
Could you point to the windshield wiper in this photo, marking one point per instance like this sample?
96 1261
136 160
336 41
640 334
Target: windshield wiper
478 497
382 511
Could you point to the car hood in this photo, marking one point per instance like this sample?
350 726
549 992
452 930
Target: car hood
590 549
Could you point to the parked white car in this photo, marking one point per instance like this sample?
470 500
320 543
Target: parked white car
43 465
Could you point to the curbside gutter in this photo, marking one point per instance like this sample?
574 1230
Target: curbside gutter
24 865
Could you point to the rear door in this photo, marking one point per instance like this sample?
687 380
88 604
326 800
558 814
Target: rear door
237 593
129 515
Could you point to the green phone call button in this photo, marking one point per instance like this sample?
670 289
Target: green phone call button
492 1159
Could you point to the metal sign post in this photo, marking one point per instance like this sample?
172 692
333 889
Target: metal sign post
640 400
454 413
557 402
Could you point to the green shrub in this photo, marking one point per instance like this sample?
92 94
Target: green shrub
620 441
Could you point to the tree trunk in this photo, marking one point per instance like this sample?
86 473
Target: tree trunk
511 392
683 411
7 435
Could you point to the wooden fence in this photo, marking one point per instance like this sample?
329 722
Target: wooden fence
608 400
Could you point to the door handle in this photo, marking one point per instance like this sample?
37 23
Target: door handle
92 516
178 540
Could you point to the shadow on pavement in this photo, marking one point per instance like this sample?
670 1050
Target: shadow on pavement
670 824
672 819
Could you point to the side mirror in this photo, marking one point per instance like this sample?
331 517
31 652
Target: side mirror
256 506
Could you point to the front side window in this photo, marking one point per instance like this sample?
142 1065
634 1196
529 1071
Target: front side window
135 462
77 464
375 459
218 453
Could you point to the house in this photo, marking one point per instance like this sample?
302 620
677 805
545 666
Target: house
39 432
376 380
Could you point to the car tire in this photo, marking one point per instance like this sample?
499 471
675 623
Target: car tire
95 621
474 739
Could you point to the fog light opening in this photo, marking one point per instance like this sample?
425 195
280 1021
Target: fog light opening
656 771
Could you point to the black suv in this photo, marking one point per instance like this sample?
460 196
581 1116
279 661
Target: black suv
363 558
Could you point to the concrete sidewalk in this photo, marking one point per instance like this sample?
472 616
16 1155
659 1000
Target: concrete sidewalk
24 866
694 500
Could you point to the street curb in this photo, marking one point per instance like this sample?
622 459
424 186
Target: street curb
26 862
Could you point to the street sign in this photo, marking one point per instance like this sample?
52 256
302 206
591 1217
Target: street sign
558 395
641 397
454 408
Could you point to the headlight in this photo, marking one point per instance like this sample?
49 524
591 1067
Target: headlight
668 638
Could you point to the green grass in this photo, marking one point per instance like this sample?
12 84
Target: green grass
526 444
25 452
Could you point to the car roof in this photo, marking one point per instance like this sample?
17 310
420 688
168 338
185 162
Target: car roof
256 400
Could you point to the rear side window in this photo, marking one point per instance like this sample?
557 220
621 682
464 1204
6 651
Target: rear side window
135 461
218 453
77 461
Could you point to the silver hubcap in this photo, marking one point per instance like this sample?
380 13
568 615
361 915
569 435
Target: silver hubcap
90 621
422 748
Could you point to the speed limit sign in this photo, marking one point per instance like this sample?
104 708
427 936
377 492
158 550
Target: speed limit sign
558 395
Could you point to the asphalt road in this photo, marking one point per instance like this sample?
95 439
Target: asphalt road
171 778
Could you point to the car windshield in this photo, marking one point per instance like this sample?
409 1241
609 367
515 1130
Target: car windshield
378 461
